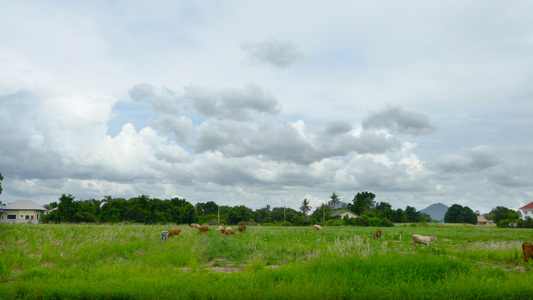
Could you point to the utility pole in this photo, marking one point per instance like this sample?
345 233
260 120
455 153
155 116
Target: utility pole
283 213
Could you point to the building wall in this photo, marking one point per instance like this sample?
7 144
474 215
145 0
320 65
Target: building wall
347 213
21 216
526 213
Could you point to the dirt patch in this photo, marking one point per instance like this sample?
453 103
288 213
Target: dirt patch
227 269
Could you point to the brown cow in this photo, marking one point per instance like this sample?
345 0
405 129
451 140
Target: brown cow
175 231
377 235
221 229
228 231
242 228
203 228
527 248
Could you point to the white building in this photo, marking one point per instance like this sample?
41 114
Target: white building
526 211
22 211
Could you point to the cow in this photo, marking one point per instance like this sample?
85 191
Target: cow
228 231
194 225
317 227
173 232
203 228
377 235
242 228
221 229
527 248
420 239
164 235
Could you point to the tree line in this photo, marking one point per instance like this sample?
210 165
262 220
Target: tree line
146 210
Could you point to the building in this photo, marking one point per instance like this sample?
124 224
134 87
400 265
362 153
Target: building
481 220
340 213
526 211
22 211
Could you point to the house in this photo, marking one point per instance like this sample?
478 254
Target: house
22 211
526 211
340 213
482 221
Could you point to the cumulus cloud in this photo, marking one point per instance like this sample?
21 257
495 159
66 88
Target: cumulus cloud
475 159
162 99
232 103
400 120
270 51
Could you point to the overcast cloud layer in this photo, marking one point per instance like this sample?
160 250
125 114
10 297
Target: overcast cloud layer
254 103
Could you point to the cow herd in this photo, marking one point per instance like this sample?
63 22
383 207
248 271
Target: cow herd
223 230
527 247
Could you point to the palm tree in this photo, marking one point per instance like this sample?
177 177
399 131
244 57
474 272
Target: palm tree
305 208
335 199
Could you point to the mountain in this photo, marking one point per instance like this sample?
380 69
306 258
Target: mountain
436 211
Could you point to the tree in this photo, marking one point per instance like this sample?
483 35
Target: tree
383 206
321 213
503 213
358 205
305 208
412 215
398 216
459 214
335 199
208 208
366 199
67 208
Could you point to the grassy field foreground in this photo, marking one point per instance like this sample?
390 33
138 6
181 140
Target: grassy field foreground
129 262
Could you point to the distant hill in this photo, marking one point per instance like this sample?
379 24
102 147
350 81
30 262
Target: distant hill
436 211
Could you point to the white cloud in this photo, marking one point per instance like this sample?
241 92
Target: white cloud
270 51
355 96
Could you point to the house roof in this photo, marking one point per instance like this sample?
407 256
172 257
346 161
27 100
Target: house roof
23 205
527 206
481 219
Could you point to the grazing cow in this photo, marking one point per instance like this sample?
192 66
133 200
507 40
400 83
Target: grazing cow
420 239
221 229
317 227
527 248
164 235
242 228
377 235
203 228
173 232
194 225
228 231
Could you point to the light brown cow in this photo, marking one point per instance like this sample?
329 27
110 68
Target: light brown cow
527 248
175 231
420 239
228 231
221 229
317 227
203 228
242 228
377 235
194 225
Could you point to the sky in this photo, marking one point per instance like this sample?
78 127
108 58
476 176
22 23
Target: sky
261 103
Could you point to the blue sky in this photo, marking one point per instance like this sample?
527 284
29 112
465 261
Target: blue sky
256 103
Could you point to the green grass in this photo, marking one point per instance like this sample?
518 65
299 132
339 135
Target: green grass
67 261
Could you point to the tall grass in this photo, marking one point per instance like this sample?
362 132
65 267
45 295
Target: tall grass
129 262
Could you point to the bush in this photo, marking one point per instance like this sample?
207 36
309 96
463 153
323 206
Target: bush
335 222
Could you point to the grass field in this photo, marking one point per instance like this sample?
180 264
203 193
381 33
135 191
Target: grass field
128 261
